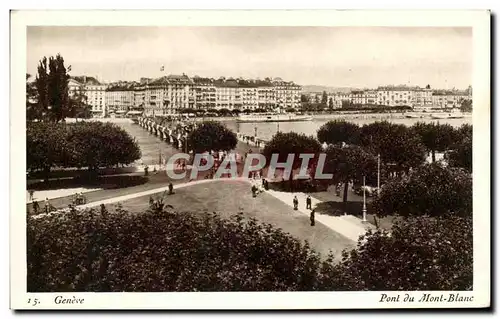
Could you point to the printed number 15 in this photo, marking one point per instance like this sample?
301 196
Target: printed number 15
35 301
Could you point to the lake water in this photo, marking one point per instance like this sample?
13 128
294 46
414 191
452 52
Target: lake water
265 131
152 147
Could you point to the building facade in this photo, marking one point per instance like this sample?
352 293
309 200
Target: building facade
287 94
450 99
120 99
94 91
172 94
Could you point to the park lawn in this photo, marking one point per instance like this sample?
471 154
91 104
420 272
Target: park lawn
154 180
230 197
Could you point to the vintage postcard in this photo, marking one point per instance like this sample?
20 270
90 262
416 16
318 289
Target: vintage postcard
250 159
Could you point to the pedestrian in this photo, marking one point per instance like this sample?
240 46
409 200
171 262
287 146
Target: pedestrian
36 207
308 202
295 203
151 201
47 204
103 209
146 169
31 192
311 217
170 188
254 191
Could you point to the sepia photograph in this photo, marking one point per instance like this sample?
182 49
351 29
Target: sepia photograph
218 154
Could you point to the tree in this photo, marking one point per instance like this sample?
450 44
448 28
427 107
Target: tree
395 143
79 107
285 144
330 103
431 190
96 144
157 251
346 104
350 164
46 146
52 88
57 88
32 107
211 136
461 155
41 86
324 99
466 105
338 131
462 133
418 254
435 137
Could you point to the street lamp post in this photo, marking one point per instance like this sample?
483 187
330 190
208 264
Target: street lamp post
378 174
255 138
364 199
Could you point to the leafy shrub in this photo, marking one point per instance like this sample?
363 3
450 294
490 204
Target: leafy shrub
163 251
419 254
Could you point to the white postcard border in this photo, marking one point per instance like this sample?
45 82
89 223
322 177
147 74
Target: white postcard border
480 22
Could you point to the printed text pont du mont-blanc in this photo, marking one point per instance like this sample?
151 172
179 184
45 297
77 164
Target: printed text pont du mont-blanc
426 297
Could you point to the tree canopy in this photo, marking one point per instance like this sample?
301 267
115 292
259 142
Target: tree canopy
431 190
284 144
211 135
49 93
435 137
461 155
83 144
417 254
350 164
395 143
97 144
338 131
46 146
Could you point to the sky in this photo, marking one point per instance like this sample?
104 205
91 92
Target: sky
330 56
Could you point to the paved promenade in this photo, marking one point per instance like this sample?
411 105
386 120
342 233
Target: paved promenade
349 226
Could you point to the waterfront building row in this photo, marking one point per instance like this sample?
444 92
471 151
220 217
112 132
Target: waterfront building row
414 97
170 94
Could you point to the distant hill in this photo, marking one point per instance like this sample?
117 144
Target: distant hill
328 89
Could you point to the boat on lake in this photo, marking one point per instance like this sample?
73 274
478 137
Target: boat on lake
413 116
444 116
273 117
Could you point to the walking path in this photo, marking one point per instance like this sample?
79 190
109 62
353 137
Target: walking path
41 195
349 226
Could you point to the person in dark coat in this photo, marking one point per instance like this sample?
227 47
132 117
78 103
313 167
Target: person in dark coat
170 188
36 207
295 203
311 217
308 202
